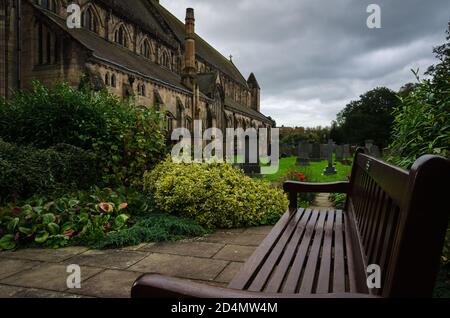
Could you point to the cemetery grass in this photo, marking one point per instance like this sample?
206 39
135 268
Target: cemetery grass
314 171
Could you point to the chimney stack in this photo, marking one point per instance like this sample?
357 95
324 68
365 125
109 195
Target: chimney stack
189 70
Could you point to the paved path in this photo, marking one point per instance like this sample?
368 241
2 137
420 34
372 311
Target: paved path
213 259
322 202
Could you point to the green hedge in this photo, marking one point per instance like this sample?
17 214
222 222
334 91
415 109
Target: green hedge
126 139
215 195
26 171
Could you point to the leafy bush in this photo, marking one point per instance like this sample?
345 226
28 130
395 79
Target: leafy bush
215 195
338 200
127 140
153 228
82 218
26 171
422 121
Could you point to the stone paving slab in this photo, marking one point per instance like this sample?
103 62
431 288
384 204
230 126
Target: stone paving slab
188 248
229 272
108 284
237 239
261 230
45 255
9 267
47 276
111 259
21 292
235 253
180 266
41 273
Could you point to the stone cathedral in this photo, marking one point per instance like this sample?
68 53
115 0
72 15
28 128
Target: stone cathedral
132 48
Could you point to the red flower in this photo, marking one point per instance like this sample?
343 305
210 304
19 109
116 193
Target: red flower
69 233
300 176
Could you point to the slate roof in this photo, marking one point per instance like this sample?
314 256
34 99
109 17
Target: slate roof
207 83
112 53
233 106
139 12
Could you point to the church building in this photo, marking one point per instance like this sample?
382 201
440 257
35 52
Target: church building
133 48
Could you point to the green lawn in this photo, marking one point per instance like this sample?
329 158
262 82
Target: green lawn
314 171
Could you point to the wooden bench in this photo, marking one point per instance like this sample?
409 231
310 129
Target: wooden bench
392 218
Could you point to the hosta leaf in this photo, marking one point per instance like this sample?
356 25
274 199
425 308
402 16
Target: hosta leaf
42 237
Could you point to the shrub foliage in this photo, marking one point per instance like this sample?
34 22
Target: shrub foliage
127 139
26 171
215 195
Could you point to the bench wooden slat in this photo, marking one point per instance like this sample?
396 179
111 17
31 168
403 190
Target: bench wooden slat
323 284
371 210
241 280
281 271
309 274
375 228
261 278
292 280
339 256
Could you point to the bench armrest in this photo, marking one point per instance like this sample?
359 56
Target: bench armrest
294 187
158 286
331 187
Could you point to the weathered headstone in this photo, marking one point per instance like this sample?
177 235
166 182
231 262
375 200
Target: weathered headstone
315 152
250 168
330 170
347 155
323 152
303 154
339 153
372 150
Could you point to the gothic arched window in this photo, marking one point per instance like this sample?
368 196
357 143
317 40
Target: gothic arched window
165 60
107 81
120 36
113 80
146 49
89 20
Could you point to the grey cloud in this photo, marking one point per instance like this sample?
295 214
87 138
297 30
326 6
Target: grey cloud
312 57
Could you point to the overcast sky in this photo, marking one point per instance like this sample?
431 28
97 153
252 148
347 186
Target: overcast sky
312 57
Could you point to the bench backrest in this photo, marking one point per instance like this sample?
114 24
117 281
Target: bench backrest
400 219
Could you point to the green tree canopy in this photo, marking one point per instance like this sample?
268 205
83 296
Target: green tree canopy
369 117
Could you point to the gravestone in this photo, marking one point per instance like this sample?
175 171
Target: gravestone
303 154
347 155
330 170
249 168
339 153
323 152
315 152
285 150
371 149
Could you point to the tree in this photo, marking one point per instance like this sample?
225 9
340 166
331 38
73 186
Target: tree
370 117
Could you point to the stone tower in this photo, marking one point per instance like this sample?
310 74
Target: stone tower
189 70
255 92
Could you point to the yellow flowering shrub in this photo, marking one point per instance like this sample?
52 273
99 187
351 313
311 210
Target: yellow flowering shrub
215 195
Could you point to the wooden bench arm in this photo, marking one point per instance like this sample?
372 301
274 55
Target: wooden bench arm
159 286
294 187
331 187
